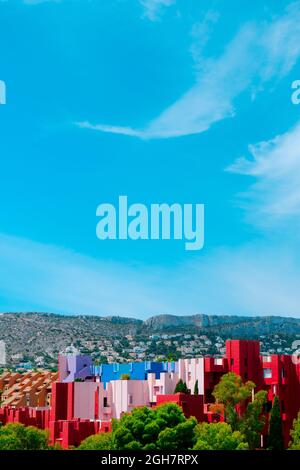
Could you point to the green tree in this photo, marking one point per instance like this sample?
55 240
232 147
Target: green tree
172 357
181 387
252 422
196 388
275 437
15 436
103 359
295 434
125 377
181 436
218 436
101 441
231 391
163 427
243 415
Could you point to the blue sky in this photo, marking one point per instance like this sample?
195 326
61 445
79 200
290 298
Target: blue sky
184 101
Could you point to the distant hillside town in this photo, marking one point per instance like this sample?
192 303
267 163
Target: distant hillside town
33 340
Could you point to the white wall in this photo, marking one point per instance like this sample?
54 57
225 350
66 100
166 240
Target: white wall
191 370
120 391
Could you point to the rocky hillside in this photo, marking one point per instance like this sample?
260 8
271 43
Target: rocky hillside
233 325
26 332
42 335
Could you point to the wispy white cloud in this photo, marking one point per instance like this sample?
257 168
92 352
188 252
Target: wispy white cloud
245 280
281 42
210 99
154 8
257 54
201 33
111 129
275 165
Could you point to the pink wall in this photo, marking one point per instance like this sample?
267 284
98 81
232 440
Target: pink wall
84 399
123 395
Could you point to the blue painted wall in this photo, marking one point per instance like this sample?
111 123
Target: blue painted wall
136 370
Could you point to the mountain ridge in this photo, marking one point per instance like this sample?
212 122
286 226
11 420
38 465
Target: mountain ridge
38 334
184 318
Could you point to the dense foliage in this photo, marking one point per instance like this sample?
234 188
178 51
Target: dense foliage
275 438
295 435
102 441
218 436
163 427
15 436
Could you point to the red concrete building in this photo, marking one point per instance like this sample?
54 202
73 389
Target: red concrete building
72 432
277 374
192 405
73 403
40 418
